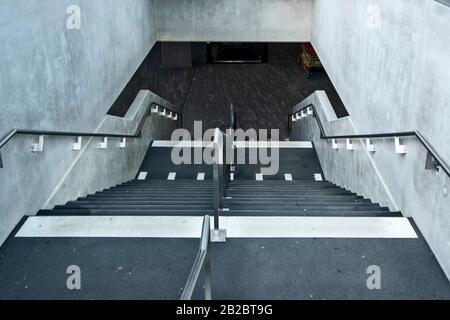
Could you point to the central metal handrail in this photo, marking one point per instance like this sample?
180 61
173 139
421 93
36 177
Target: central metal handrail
223 147
202 262
220 173
4 140
438 160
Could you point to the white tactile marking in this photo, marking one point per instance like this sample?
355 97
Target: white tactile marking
142 175
318 177
317 227
288 177
274 144
201 176
259 177
112 227
172 176
232 176
237 227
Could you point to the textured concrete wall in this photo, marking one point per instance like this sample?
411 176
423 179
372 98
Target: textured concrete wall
34 181
233 20
388 61
54 78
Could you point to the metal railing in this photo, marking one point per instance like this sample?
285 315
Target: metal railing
202 262
433 157
4 140
221 178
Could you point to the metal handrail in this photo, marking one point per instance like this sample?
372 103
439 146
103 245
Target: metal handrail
137 134
437 158
202 262
218 176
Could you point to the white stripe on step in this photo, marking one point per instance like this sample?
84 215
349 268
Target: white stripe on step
201 176
112 227
259 177
237 227
318 177
274 144
172 176
288 177
317 227
142 175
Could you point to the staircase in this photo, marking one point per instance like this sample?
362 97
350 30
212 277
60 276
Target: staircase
290 236
143 198
299 198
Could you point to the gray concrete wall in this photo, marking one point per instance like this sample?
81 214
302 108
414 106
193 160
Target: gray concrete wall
387 60
53 78
60 79
34 181
233 20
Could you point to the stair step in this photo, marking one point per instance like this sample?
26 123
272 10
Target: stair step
138 202
180 207
153 192
293 201
317 207
121 212
207 197
162 189
312 213
292 193
297 197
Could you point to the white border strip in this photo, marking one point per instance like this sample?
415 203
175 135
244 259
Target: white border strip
317 227
237 227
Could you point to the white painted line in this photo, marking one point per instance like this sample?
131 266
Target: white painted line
232 168
318 177
172 176
112 227
259 177
181 144
142 175
237 227
317 227
201 176
274 144
232 176
288 177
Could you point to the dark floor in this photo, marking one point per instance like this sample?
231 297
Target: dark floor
35 268
262 94
241 268
326 269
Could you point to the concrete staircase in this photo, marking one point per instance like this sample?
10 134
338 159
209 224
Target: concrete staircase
289 237
299 198
141 198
